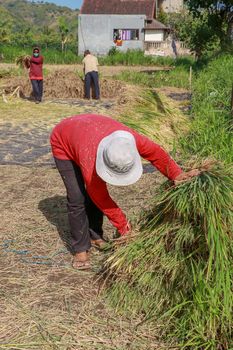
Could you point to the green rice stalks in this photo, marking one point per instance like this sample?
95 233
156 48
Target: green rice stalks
178 271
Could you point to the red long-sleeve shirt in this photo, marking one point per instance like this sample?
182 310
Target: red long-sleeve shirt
77 138
36 71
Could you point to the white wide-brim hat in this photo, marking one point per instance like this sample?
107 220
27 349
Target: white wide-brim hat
118 161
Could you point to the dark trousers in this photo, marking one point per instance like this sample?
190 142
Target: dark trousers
37 87
92 77
86 220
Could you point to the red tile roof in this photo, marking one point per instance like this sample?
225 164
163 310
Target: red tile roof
119 7
154 24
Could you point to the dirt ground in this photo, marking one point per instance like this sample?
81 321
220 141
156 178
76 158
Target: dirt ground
44 303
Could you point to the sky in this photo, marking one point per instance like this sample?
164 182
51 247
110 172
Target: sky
74 4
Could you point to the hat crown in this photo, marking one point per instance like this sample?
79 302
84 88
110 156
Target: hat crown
118 161
119 155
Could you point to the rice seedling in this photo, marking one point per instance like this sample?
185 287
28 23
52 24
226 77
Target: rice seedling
177 271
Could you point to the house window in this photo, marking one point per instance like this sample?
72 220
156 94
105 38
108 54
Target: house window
125 34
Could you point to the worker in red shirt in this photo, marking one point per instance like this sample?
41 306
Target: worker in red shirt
92 150
36 74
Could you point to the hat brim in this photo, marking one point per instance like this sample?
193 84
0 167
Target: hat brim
111 177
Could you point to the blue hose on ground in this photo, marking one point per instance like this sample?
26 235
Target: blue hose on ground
27 258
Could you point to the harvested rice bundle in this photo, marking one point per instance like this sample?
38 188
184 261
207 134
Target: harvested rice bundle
178 271
23 61
152 108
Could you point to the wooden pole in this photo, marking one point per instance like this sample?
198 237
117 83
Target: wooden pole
190 78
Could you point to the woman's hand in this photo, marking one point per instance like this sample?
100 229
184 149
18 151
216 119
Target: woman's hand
186 176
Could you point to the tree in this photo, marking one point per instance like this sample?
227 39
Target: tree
195 32
49 36
6 24
64 31
219 17
24 37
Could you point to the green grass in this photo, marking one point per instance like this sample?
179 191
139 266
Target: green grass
211 130
134 57
55 56
177 77
52 56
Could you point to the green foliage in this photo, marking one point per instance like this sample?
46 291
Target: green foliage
65 31
112 51
28 23
178 270
219 16
6 22
162 16
211 131
202 38
196 32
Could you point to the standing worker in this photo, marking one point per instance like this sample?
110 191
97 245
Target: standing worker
92 150
36 74
90 67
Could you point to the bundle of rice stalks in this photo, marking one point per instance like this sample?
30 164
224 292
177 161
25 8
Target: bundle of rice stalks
23 61
178 271
149 108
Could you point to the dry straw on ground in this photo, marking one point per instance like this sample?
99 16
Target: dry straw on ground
65 84
44 303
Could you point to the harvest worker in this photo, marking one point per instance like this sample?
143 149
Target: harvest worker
90 67
92 150
36 74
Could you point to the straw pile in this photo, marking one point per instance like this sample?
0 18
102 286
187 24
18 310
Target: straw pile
178 270
63 83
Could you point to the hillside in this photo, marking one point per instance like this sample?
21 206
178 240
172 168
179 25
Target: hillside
36 14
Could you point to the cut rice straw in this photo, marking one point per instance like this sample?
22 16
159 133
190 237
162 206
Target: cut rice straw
178 270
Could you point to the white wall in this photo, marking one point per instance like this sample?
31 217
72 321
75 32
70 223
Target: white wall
154 35
96 32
